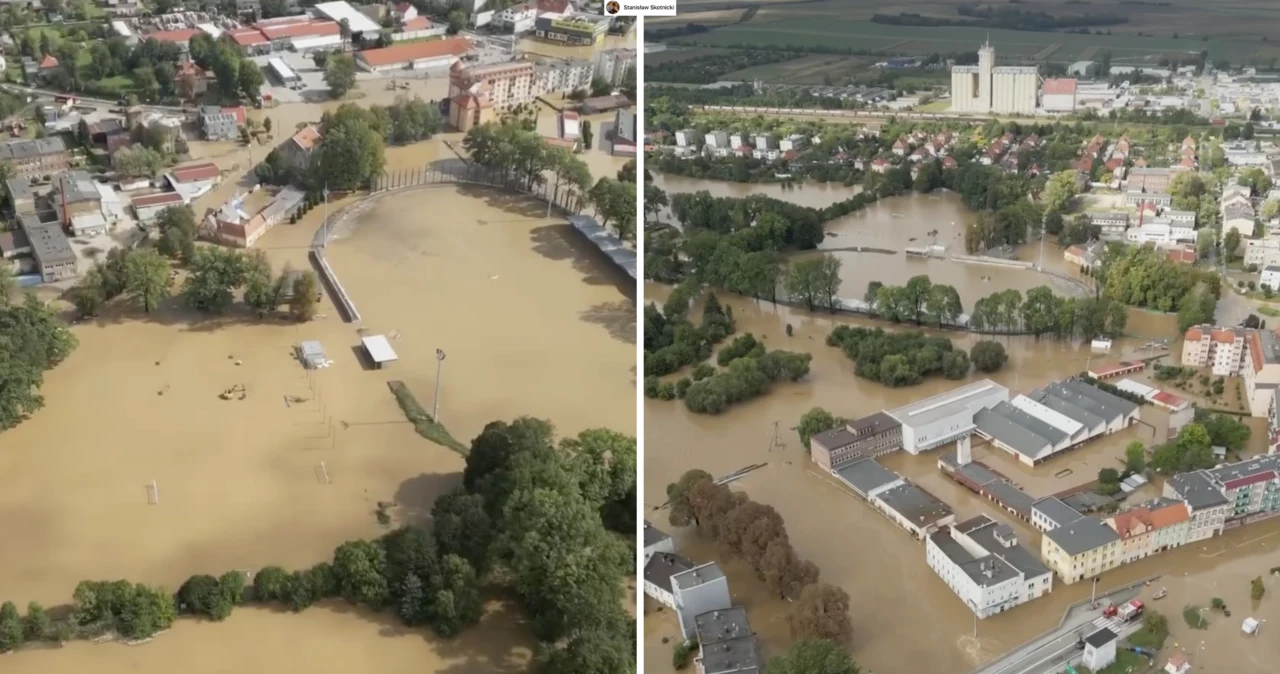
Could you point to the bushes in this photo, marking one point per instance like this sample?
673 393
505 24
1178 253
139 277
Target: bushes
988 356
680 657
899 359
744 379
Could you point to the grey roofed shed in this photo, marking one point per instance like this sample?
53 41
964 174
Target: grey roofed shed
312 354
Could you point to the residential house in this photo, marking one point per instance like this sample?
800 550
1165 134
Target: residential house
1081 549
301 146
717 143
1207 506
656 541
1151 527
1261 370
696 591
793 143
981 561
221 123
1270 277
1238 216
36 157
1251 487
1262 252
900 147
1086 256
1223 349
659 567
688 138
1051 512
231 225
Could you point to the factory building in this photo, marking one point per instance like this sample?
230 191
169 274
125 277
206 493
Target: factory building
987 88
946 417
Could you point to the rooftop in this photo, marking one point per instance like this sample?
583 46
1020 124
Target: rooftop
415 51
1054 510
915 504
946 404
985 571
1082 535
730 656
662 566
653 535
866 476
1101 638
999 540
713 627
48 241
1018 430
699 575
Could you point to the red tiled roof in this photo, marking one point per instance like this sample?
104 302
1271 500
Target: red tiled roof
417 23
300 29
402 53
1166 398
196 172
307 137
48 62
1183 256
1250 479
183 35
162 199
239 112
247 37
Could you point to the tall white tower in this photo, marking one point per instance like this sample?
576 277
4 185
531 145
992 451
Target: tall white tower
986 75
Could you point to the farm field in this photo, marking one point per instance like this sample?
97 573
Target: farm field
811 69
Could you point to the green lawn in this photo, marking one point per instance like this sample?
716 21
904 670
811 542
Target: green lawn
801 32
119 83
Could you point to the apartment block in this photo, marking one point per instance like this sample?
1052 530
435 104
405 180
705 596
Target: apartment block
863 438
1222 349
1152 527
981 561
38 157
1081 549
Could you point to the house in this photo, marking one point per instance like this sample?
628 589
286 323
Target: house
230 225
193 181
37 157
1085 256
658 570
300 147
624 133
404 11
688 138
1207 506
1238 216
726 644
1270 277
222 123
1152 527
1080 549
981 561
518 18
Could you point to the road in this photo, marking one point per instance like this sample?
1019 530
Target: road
1051 653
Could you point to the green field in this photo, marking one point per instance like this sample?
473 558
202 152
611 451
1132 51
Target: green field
831 33
811 69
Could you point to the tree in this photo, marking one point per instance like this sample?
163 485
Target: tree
811 656
147 278
615 201
1257 589
137 162
457 21
681 512
339 74
302 305
822 612
358 568
215 274
12 633
177 227
232 585
586 135
455 597
988 356
270 584
250 80
815 421
36 625
1135 457
1231 243
203 595
1059 191
261 292
462 527
350 152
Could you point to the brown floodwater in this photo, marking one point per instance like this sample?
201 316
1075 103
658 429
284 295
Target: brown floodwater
515 301
902 606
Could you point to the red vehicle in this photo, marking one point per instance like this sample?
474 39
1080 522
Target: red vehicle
1127 611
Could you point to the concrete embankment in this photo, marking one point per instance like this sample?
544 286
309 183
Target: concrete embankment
993 261
343 300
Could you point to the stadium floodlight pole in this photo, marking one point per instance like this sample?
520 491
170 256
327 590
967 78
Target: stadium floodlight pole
325 244
435 408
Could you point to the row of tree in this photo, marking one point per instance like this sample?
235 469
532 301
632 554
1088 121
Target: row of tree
1042 313
899 358
919 299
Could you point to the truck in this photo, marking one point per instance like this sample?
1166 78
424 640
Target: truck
1130 611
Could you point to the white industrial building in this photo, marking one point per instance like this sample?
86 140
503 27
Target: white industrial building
946 417
1059 95
356 20
986 88
1063 415
981 561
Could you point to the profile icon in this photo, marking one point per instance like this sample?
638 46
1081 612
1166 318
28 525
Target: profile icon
612 7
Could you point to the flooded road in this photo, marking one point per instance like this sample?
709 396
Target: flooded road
515 300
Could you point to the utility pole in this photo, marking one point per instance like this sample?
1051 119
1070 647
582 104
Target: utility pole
325 244
435 411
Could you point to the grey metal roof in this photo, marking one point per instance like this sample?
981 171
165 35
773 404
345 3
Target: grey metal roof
1246 468
76 186
866 476
1270 348
723 624
915 504
733 656
1082 535
48 242
1083 402
20 188
653 535
1053 509
1197 489
1118 406
943 405
625 125
28 149
1009 495
1101 638
1011 434
698 575
662 566
874 424
1062 406
986 571
988 532
1031 422
608 244
834 438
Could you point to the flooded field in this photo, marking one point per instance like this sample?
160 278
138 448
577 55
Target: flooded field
516 301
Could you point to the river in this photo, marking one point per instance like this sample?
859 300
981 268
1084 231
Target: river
900 607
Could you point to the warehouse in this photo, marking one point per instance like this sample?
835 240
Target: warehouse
580 30
1059 95
414 55
149 207
946 417
283 72
1045 423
